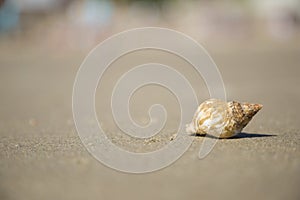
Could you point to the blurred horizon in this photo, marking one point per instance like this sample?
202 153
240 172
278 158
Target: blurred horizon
74 25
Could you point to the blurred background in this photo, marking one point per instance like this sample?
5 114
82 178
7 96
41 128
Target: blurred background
80 24
255 44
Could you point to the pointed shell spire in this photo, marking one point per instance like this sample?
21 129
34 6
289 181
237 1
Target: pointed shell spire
221 119
249 110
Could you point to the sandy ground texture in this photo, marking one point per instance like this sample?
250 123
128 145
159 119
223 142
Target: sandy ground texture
42 157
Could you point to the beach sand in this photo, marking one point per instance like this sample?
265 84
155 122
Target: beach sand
42 156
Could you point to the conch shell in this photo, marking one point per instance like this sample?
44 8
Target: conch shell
222 119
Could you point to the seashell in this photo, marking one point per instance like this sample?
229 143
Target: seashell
222 119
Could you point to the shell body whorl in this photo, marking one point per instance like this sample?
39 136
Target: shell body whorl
222 119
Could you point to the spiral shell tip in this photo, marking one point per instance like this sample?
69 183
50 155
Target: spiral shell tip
250 109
